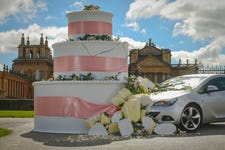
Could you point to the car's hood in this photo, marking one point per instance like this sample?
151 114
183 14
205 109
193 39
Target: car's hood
168 95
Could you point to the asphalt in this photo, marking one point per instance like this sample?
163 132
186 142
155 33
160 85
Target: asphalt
23 138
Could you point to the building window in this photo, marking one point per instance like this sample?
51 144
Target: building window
22 72
31 54
37 75
24 53
38 54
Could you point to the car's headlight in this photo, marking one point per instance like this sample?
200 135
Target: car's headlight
165 103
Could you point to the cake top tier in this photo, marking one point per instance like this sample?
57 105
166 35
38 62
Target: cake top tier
96 23
85 15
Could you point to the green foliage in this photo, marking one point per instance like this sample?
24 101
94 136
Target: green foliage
16 114
134 86
95 37
91 7
117 39
4 132
86 77
75 77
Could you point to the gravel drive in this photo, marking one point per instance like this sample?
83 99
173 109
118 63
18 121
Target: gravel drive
23 138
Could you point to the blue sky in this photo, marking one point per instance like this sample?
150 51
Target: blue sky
191 30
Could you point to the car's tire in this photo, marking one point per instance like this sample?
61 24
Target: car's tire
191 118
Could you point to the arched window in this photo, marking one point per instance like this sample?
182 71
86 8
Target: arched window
22 72
38 54
24 53
37 74
31 55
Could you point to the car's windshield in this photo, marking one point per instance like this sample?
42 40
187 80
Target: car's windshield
181 83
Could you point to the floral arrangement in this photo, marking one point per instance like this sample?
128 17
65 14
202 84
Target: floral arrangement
95 37
75 77
88 76
136 85
91 7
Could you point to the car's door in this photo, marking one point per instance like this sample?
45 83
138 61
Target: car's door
214 98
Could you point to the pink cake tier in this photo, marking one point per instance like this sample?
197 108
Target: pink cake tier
101 58
89 22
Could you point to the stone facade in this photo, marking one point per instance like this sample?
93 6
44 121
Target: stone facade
14 86
34 61
155 64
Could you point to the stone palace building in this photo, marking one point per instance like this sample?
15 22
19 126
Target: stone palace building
34 63
155 63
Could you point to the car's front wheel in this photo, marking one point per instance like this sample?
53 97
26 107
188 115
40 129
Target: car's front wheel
191 118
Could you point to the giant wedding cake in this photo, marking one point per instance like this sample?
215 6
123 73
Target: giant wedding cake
63 104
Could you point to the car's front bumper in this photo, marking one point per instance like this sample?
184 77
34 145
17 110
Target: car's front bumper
168 114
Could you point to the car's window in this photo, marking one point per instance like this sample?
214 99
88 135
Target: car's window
218 82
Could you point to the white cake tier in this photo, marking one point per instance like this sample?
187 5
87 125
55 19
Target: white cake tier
90 16
99 92
91 48
63 106
60 125
101 58
89 22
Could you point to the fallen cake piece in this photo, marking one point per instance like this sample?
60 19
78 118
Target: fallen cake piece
125 127
165 129
98 129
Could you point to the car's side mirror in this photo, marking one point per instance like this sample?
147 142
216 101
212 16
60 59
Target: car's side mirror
211 88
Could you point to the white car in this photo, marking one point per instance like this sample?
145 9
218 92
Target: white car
190 100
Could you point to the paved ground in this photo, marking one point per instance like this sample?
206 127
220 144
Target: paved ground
209 137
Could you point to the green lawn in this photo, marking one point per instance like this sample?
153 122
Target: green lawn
16 114
4 132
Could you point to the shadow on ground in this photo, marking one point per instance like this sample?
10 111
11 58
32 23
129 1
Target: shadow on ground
69 140
74 140
212 129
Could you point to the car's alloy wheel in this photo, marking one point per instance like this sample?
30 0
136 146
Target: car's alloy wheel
191 118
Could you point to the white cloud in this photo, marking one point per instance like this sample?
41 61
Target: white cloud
41 5
142 9
1 67
11 39
133 25
202 20
20 9
143 31
78 4
49 18
145 8
198 20
210 54
132 43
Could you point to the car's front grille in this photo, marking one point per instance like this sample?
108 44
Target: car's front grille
167 118
154 114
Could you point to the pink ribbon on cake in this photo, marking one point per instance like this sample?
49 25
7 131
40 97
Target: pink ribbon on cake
68 106
90 27
90 63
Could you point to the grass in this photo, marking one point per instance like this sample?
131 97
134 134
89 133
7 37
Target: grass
4 132
16 114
